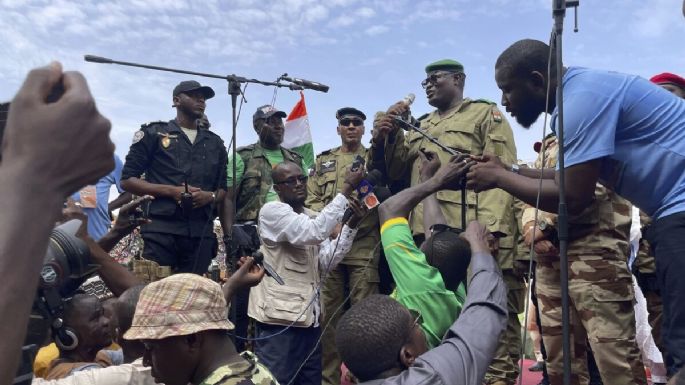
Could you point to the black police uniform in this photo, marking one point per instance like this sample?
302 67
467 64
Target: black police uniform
164 153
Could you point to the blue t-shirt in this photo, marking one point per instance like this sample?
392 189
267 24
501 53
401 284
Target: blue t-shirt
99 221
636 128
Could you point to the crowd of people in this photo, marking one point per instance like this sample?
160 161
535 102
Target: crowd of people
405 262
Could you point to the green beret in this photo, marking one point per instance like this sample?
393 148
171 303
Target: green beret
446 65
349 111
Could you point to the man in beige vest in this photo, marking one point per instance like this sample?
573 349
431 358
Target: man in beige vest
295 242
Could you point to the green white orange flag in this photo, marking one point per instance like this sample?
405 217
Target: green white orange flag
297 136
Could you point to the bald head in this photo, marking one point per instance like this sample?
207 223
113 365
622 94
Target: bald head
280 170
290 183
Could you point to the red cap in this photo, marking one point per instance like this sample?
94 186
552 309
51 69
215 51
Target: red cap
668 77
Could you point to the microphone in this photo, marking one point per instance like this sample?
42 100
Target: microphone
259 260
97 59
409 99
308 84
365 190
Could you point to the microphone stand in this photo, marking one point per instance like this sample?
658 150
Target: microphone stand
558 13
234 83
407 126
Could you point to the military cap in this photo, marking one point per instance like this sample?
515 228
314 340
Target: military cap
192 85
349 111
266 111
668 77
445 65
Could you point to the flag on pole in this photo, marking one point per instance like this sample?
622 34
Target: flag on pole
297 136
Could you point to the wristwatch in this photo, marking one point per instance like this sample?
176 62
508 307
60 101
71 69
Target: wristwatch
515 168
542 225
213 196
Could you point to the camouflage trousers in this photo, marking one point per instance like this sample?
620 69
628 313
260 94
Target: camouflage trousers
504 367
360 282
601 311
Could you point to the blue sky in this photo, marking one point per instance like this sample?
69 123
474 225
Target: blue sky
371 53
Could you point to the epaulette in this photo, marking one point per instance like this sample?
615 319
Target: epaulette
155 123
249 147
424 116
484 101
293 153
327 152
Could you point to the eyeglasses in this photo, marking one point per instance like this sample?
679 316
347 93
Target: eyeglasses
355 122
436 77
292 181
417 317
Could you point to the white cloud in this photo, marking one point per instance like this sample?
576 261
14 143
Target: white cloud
377 30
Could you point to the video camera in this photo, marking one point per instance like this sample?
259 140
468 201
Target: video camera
66 266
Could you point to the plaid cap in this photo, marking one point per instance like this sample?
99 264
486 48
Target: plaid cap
267 111
179 305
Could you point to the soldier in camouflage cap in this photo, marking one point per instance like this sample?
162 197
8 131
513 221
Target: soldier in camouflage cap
358 271
182 322
600 287
473 127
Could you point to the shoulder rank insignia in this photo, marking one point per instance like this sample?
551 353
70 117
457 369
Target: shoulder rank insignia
327 166
496 116
138 136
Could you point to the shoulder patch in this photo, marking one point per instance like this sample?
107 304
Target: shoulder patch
327 166
138 136
496 116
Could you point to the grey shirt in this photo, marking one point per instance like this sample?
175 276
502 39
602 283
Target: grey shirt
465 353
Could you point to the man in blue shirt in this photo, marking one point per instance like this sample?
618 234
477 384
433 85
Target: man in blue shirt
620 130
94 199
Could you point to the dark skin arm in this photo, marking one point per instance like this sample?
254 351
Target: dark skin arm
247 275
119 201
447 177
581 179
432 213
124 225
227 211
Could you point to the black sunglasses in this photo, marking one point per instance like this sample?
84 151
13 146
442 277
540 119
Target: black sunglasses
292 181
355 122
436 77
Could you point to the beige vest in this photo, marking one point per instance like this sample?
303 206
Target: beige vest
275 304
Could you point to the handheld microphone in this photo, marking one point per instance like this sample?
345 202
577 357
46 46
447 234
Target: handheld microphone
409 99
366 194
259 260
307 84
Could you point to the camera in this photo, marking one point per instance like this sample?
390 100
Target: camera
66 266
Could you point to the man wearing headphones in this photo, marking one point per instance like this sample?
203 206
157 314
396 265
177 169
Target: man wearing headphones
82 338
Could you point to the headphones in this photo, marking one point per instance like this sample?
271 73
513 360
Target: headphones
65 337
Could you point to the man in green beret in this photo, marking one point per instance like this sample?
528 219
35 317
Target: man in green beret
470 126
357 274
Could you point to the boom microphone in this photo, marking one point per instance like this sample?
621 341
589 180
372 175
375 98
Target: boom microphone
259 260
307 84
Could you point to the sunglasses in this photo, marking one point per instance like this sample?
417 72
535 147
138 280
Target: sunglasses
293 181
355 122
434 78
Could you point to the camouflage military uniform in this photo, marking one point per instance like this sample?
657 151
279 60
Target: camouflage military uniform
644 269
256 181
357 274
600 290
247 372
474 127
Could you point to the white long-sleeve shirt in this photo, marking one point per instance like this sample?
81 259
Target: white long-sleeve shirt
278 222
